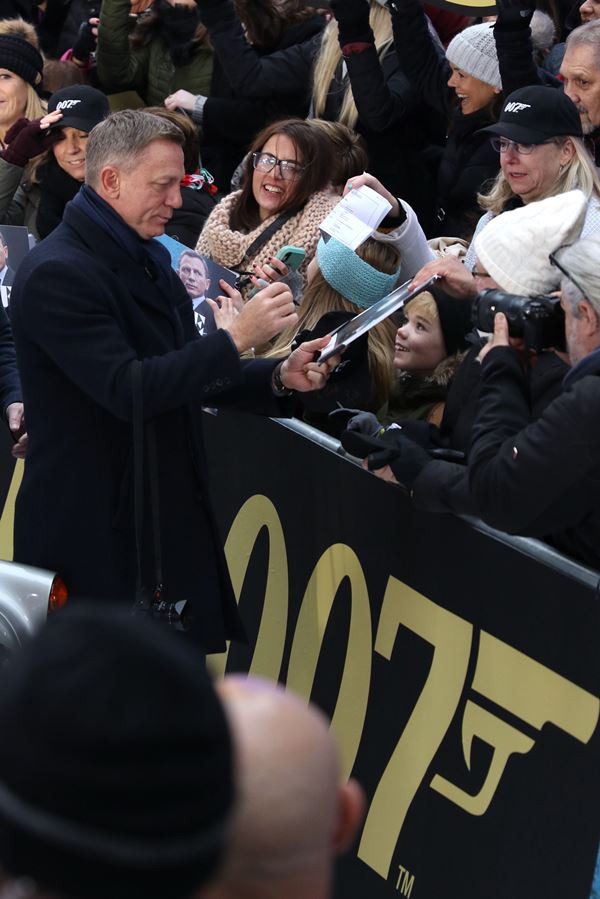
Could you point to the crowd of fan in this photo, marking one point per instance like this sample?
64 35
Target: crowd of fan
482 135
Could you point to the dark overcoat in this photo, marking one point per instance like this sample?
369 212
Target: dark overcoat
82 312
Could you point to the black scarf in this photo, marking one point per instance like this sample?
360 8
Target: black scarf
148 253
178 26
57 187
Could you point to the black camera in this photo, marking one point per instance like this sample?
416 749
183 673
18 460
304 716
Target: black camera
540 321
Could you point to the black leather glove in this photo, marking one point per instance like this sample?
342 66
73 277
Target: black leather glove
26 140
353 21
405 457
85 43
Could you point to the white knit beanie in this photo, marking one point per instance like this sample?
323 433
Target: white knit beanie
514 247
474 52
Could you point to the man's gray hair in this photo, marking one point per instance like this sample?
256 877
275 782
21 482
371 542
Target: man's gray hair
582 262
122 137
586 34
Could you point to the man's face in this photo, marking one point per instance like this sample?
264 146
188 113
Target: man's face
581 75
3 254
192 272
150 192
576 348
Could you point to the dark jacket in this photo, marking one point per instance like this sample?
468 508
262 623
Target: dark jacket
396 128
536 478
230 121
515 55
10 387
540 479
468 160
147 69
445 488
83 311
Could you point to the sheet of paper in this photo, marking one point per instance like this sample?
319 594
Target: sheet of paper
356 216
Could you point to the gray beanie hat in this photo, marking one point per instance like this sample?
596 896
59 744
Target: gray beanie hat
474 52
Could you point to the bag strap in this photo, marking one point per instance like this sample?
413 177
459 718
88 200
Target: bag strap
143 599
262 238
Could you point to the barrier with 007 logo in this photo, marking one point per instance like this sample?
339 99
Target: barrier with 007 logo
459 666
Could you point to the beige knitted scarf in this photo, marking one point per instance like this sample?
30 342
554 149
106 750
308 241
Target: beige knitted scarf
228 247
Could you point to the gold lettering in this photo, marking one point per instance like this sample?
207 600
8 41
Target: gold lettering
451 638
257 513
336 563
531 692
505 739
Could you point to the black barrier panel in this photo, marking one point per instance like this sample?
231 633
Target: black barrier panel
461 672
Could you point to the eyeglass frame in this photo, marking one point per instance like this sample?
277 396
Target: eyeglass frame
277 163
554 261
496 143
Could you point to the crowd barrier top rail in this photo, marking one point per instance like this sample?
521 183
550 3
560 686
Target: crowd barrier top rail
542 552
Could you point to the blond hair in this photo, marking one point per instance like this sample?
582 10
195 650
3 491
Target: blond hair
320 298
424 304
579 173
330 57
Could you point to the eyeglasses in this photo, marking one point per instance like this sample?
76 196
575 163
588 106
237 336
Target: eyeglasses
288 170
477 274
502 145
562 269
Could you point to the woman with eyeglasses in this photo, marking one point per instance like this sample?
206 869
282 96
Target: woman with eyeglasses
542 154
284 197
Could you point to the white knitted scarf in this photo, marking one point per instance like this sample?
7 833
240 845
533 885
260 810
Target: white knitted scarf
228 247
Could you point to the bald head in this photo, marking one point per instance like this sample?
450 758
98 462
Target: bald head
293 814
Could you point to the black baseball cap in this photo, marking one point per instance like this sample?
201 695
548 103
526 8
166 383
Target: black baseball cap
533 115
82 107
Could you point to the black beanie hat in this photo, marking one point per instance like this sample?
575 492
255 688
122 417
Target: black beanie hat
455 320
115 760
19 56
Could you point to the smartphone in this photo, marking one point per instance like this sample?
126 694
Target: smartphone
293 257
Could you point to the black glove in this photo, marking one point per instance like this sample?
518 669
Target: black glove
353 21
85 43
357 420
514 13
26 140
405 457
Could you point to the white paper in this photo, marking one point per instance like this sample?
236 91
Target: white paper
356 216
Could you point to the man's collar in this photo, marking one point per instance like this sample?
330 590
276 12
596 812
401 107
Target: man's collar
589 365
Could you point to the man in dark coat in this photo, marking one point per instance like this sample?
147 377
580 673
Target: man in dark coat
89 302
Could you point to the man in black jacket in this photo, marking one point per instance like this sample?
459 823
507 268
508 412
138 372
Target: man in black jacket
92 305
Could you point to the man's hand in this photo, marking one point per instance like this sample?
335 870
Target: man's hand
498 338
456 279
300 372
267 314
15 416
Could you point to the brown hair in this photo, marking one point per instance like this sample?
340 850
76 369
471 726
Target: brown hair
314 152
350 155
266 21
320 298
191 146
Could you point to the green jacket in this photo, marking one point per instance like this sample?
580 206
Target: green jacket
19 200
148 70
